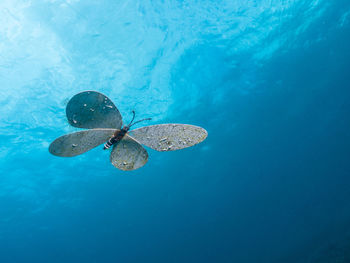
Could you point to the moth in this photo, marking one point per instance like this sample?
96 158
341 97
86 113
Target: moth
97 113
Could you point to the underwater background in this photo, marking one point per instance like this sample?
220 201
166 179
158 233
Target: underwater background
268 80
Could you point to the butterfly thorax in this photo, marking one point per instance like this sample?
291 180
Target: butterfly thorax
120 134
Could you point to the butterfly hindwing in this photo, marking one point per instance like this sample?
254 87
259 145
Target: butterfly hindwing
79 142
128 154
169 137
91 109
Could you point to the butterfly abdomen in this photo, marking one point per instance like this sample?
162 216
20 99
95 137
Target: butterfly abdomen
108 144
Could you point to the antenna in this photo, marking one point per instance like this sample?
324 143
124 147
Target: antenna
146 119
133 117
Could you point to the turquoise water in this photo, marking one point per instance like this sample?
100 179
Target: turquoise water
268 79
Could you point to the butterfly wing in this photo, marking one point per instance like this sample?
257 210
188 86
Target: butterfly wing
169 137
128 154
91 109
79 142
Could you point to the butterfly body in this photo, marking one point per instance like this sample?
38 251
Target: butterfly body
97 113
117 137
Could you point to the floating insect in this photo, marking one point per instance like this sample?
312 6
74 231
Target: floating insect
94 111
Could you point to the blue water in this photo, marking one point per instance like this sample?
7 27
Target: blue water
268 79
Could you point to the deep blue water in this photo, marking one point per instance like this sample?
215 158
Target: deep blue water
268 79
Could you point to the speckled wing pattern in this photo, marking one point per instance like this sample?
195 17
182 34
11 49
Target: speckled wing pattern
169 137
79 142
91 109
128 154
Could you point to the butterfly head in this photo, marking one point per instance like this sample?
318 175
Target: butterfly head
125 129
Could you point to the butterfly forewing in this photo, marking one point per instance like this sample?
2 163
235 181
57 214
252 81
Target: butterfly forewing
128 154
91 109
169 137
79 142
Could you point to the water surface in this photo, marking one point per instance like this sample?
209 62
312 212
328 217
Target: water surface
269 81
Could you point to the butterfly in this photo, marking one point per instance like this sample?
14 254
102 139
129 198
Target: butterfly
97 113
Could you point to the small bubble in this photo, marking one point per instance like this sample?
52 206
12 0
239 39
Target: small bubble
85 105
92 109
